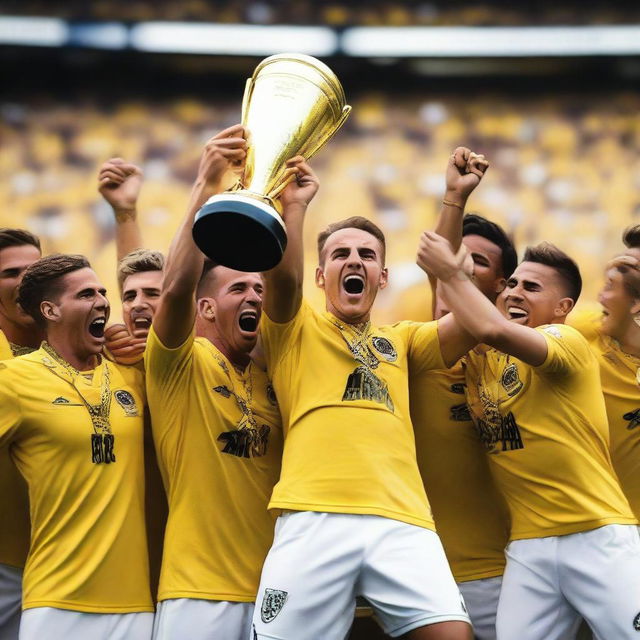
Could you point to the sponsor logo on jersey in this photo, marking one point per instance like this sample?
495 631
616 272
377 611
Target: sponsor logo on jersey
385 347
65 402
502 433
246 442
458 387
127 402
363 384
633 417
223 391
636 622
460 413
272 603
510 380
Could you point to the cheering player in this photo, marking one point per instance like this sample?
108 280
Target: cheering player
537 403
18 335
356 519
614 336
216 426
470 514
74 422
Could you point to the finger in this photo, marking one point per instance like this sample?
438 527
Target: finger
115 169
296 160
233 131
233 154
227 142
131 169
112 178
460 157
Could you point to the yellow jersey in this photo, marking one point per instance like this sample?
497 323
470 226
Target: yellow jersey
619 373
471 516
545 429
219 443
344 397
14 506
88 544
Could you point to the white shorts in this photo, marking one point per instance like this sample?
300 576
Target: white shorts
550 582
61 624
320 562
10 601
193 619
481 597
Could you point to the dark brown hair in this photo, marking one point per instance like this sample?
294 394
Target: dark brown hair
631 236
41 281
139 261
548 254
17 238
355 222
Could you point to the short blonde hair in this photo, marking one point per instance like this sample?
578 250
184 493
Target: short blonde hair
138 261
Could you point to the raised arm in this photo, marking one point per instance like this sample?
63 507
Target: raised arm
119 183
176 312
284 282
465 170
472 310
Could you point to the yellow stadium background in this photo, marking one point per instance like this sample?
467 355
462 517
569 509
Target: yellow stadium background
564 168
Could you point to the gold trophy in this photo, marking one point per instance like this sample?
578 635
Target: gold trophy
292 105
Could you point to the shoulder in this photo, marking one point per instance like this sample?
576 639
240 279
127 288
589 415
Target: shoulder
587 322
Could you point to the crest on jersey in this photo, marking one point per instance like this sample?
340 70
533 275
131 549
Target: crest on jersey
127 402
272 603
510 380
636 622
386 348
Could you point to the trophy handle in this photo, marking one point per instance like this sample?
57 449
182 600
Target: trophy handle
346 110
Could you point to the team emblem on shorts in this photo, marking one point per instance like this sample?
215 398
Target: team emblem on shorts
127 402
636 622
386 348
272 603
510 380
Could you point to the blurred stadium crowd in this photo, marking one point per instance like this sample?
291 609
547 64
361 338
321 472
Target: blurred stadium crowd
565 169
338 13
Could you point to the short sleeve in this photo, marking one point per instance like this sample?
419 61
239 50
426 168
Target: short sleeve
278 338
423 345
568 350
163 366
10 408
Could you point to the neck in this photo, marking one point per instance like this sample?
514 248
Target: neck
360 319
24 336
629 341
239 359
79 361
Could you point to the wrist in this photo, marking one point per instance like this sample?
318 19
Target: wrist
457 273
455 199
124 213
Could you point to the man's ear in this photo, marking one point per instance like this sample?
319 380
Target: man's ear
501 283
50 311
563 306
206 308
384 278
635 307
319 277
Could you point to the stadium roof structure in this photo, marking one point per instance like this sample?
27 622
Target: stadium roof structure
364 42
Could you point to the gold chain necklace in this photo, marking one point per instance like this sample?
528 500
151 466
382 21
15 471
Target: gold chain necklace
19 350
102 440
357 341
244 403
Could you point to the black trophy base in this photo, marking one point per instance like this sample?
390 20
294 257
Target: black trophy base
240 233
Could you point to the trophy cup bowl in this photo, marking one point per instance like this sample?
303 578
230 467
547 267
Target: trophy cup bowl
293 104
